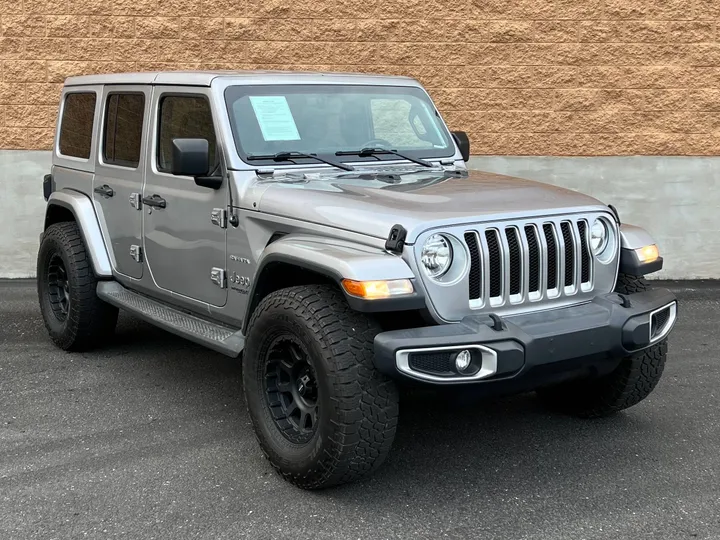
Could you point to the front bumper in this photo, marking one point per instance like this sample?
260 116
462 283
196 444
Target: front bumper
539 348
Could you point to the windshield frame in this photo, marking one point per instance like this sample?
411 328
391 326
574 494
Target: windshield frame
234 92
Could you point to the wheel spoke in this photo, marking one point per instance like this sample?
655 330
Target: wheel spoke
290 408
286 367
284 386
295 353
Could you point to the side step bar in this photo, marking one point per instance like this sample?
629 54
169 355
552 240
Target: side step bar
220 338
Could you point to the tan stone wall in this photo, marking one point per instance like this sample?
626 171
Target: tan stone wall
539 77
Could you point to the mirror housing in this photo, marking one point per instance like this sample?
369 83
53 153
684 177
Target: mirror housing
463 143
190 157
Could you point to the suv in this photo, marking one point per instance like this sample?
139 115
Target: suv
324 228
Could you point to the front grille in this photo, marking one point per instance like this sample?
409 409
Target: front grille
529 262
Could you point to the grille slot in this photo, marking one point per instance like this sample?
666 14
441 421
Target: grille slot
569 248
552 260
475 284
493 243
511 234
533 259
585 256
519 262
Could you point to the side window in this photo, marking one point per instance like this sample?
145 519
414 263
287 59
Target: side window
76 125
123 129
183 117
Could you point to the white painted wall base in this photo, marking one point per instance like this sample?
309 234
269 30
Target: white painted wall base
22 210
677 199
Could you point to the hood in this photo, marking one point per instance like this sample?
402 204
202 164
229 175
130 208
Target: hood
372 203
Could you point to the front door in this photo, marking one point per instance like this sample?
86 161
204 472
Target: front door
119 174
183 248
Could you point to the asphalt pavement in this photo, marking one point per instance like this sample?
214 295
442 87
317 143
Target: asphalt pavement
148 437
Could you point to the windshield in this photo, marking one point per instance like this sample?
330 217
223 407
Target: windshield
329 120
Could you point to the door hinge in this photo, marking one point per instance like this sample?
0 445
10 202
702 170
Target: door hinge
218 217
217 276
136 253
135 201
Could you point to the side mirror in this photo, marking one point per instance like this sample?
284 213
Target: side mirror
461 139
190 157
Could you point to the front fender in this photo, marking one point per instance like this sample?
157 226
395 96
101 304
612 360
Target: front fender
336 260
632 238
82 208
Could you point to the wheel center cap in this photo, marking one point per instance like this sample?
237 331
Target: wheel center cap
302 384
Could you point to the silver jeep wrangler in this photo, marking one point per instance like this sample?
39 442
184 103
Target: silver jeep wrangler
324 228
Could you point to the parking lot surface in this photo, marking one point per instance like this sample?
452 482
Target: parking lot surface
148 438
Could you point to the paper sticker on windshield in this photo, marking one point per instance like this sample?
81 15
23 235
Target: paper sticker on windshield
275 118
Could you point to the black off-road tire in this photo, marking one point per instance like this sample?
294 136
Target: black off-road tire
357 407
632 381
630 284
86 321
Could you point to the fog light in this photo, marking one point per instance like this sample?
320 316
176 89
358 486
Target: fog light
463 360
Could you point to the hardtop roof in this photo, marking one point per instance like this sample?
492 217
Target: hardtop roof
205 78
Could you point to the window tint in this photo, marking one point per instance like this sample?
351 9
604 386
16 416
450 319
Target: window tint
76 126
123 129
183 117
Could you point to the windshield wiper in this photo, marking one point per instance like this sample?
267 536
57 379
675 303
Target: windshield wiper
288 156
364 152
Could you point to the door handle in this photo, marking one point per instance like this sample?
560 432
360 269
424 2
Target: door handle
155 200
105 191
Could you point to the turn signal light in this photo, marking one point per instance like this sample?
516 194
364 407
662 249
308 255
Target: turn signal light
374 290
648 253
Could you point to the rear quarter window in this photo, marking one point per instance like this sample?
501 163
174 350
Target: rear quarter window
76 125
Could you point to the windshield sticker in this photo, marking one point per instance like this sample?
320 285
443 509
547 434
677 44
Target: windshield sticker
275 118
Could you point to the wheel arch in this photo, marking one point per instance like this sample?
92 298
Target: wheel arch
66 205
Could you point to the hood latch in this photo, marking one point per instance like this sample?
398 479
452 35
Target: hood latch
396 239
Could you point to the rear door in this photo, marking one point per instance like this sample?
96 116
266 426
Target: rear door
119 170
184 246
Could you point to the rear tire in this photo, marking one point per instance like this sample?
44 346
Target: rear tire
632 381
322 413
74 316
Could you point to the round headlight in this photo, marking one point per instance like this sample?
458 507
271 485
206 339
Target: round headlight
436 256
598 236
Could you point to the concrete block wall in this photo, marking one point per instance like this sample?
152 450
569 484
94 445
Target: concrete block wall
530 80
524 77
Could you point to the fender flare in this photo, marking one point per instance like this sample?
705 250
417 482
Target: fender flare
632 238
337 260
82 208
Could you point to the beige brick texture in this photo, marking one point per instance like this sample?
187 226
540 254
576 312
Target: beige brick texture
522 77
